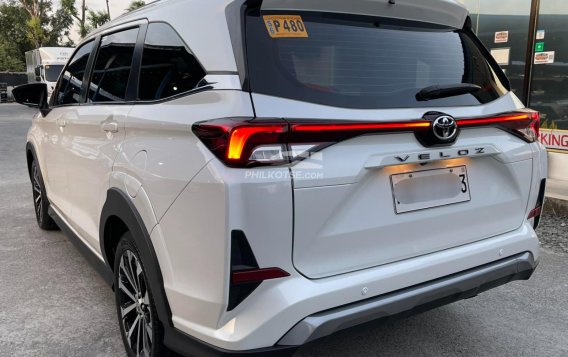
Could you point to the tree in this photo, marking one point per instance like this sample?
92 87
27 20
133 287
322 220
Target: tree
36 10
28 24
79 15
60 24
97 19
10 61
108 10
13 29
135 4
14 40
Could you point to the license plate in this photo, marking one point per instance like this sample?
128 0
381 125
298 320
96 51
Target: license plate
285 26
414 191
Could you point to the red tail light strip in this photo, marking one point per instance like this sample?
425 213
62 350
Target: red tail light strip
495 120
360 127
233 141
257 275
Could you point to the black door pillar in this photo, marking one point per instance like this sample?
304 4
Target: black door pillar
529 62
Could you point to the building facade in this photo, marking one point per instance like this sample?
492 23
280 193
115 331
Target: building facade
529 39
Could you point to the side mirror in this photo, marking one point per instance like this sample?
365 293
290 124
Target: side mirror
37 71
33 95
38 79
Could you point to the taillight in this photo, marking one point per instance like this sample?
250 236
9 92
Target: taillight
524 124
261 142
236 141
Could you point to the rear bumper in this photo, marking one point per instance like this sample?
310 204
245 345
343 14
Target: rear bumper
411 300
404 302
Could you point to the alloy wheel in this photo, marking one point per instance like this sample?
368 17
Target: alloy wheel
135 307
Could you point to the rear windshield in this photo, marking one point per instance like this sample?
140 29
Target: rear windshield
365 63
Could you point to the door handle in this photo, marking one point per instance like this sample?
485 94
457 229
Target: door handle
61 122
110 127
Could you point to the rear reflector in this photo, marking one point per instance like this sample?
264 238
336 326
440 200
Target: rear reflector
261 142
246 276
257 275
535 213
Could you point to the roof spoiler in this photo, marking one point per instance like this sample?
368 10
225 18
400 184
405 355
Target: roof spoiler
440 12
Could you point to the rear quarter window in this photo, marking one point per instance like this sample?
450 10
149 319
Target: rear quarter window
367 63
169 68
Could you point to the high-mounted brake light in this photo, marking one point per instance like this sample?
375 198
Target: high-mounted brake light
247 142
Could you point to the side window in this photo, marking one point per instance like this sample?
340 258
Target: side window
112 67
69 89
168 67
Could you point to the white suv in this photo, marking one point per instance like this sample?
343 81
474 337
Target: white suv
254 175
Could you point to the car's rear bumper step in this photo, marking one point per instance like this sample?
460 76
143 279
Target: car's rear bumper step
412 300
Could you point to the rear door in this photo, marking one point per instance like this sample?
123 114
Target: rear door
414 184
97 129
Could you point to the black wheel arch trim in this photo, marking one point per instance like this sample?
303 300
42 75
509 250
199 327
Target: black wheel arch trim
119 205
31 149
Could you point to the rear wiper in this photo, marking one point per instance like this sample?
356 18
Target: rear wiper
447 90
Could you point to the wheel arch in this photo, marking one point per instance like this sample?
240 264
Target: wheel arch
30 156
118 216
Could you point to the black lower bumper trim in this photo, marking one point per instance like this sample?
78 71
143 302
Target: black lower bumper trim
412 300
187 345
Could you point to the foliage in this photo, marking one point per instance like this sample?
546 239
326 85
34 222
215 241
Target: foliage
135 4
28 24
44 25
97 19
78 14
10 60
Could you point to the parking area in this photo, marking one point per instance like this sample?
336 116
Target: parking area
52 303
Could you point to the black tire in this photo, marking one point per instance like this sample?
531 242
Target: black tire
41 203
135 307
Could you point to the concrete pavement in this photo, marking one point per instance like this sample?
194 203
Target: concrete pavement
52 303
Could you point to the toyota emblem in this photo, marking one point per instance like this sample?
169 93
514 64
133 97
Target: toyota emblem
445 128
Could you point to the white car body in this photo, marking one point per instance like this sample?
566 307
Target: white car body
336 233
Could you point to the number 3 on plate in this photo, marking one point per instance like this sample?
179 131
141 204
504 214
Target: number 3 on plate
464 183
